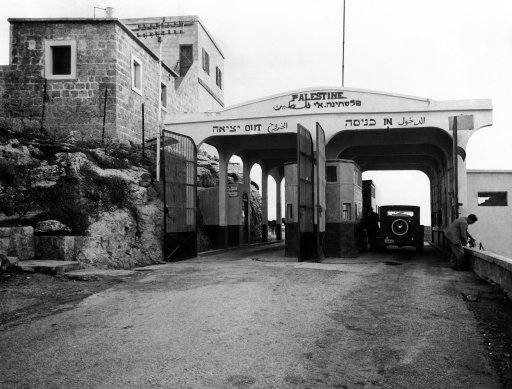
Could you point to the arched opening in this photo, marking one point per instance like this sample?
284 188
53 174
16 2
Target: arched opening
402 187
207 192
256 177
257 207
409 167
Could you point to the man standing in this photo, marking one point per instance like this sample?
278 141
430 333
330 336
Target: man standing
457 236
371 223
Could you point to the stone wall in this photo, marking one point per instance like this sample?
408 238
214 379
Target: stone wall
171 42
70 105
104 50
129 102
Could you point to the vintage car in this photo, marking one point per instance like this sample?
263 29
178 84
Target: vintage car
400 226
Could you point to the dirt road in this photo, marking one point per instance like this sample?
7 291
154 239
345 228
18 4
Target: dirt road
250 319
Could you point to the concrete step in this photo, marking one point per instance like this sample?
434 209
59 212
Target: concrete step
94 273
42 266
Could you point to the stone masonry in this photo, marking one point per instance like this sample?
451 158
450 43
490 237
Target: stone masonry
104 49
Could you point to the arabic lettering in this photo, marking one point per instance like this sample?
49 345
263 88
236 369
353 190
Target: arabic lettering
274 127
410 120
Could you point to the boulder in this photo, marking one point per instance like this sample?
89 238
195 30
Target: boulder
107 161
122 239
58 248
46 175
145 180
72 162
51 227
35 152
6 263
15 153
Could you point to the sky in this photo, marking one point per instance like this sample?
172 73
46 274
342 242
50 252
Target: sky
440 49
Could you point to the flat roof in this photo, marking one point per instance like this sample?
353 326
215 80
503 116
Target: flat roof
95 20
489 171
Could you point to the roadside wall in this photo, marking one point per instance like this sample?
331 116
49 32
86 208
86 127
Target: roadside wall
491 267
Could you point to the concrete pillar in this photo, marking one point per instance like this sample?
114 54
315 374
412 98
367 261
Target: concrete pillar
247 194
462 178
264 203
222 236
279 215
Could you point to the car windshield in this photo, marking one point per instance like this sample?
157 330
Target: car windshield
395 213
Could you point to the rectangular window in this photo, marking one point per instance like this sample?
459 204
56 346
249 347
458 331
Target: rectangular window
289 211
492 199
206 62
331 173
163 95
136 75
60 60
186 59
218 77
356 214
358 177
346 211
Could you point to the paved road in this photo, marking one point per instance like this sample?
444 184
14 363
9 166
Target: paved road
249 319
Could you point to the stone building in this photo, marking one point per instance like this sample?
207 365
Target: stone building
193 54
96 78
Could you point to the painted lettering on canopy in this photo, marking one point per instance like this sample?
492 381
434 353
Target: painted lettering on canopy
250 128
386 122
319 100
410 120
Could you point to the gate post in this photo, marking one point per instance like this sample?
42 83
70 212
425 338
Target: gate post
222 233
279 215
247 190
264 202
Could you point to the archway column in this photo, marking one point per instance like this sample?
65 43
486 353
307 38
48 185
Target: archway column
279 216
247 164
462 178
264 202
222 235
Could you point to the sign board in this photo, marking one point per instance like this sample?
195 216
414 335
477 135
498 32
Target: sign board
464 122
232 190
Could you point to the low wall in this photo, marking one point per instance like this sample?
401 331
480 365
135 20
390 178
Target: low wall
491 267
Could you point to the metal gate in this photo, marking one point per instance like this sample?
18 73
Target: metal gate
320 192
305 192
178 160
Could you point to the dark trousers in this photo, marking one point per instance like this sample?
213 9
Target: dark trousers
457 257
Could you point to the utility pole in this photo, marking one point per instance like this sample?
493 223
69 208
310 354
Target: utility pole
343 50
159 135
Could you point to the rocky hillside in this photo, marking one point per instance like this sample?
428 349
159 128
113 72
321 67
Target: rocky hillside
107 194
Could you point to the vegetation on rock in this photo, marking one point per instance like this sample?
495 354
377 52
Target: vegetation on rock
104 192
